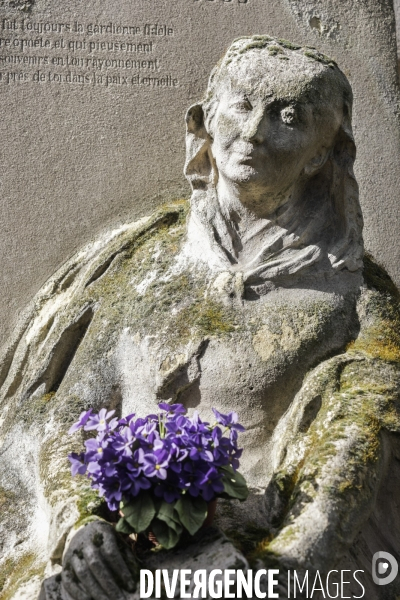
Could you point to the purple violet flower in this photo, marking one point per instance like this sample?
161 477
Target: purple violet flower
230 420
144 431
123 442
197 425
168 454
155 465
126 421
136 464
177 426
94 469
113 490
94 449
192 474
211 484
83 418
78 467
175 409
140 483
168 489
199 449
99 421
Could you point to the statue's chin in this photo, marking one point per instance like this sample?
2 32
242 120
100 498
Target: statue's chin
255 194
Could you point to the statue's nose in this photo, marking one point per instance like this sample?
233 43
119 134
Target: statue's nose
257 128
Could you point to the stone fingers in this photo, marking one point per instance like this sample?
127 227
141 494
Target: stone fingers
86 578
115 561
72 589
65 595
118 566
101 572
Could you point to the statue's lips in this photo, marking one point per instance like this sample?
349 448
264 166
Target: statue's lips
244 156
249 160
247 156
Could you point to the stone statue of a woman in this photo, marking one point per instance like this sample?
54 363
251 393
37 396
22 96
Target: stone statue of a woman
252 299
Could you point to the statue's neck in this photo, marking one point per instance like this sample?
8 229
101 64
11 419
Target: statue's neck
225 234
247 214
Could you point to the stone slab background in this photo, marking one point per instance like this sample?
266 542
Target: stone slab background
79 158
397 17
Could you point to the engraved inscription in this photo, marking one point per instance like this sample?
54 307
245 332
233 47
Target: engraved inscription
99 54
239 1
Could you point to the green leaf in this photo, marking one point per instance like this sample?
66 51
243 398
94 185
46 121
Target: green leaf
167 513
123 527
166 536
139 512
234 484
157 502
192 512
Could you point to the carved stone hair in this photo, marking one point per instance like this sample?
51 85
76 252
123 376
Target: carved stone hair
336 179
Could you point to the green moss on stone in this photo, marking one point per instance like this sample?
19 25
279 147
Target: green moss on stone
16 571
259 42
359 400
54 468
6 499
89 504
249 540
317 56
381 339
172 306
289 45
265 549
377 278
38 409
210 318
5 571
274 50
363 405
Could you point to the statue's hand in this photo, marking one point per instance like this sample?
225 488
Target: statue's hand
97 565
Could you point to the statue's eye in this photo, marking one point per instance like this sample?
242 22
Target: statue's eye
243 105
289 115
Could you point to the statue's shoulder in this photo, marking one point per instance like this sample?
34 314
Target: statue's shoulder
66 290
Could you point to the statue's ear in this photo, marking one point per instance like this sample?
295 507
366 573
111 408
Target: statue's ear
199 165
317 161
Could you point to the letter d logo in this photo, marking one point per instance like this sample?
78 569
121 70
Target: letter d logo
384 568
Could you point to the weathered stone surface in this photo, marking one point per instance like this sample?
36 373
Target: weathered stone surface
210 549
51 589
96 549
256 300
79 158
396 5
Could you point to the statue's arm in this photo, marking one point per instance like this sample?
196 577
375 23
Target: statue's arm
331 453
36 363
44 386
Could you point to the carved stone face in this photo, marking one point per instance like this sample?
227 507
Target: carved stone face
267 135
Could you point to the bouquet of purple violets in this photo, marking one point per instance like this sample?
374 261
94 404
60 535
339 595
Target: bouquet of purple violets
161 471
